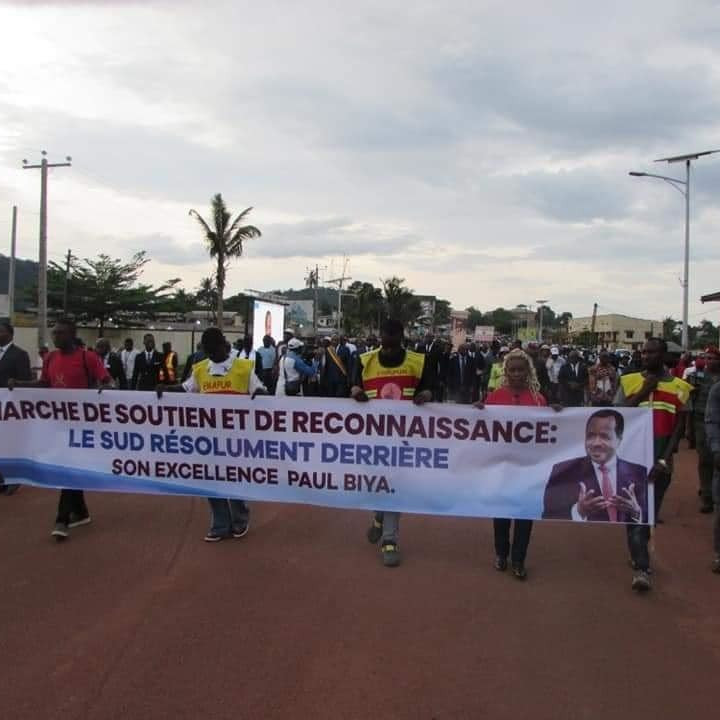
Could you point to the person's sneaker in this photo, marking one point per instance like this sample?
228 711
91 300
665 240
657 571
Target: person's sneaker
706 506
519 571
78 520
641 581
240 531
60 532
500 564
634 566
716 564
374 532
212 537
391 554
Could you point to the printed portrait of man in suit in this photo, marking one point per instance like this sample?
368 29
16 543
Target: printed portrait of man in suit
600 487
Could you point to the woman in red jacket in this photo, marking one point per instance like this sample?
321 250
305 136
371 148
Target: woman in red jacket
518 386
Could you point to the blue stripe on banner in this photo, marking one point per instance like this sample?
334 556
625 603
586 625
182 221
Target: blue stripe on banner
30 472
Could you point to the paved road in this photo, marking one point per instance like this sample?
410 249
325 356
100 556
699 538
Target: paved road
135 617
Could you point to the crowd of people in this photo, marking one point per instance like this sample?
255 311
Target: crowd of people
684 395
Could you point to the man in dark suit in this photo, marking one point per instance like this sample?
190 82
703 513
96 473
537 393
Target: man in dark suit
113 363
335 368
148 373
572 379
15 364
600 486
461 376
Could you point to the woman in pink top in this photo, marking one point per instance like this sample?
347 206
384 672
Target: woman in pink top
518 386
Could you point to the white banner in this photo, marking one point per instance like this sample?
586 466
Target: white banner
484 333
584 464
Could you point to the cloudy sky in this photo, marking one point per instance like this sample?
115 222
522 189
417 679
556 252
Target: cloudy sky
478 149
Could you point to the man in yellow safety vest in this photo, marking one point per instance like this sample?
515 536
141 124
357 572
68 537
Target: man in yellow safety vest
391 373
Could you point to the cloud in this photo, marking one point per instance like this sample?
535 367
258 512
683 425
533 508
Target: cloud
479 150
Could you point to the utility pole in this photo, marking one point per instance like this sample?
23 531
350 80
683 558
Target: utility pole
592 324
42 270
541 305
65 285
313 281
11 267
340 282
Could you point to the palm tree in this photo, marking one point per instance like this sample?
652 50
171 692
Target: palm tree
224 242
207 296
400 301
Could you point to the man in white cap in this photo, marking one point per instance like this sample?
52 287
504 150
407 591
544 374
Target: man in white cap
292 369
554 363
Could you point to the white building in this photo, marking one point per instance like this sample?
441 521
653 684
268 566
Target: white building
616 331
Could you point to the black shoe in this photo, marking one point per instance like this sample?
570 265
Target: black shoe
519 571
240 531
707 507
374 532
641 581
60 532
500 564
76 519
212 537
391 554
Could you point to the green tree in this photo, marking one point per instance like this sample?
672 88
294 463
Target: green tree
442 313
363 309
207 297
670 328
107 288
501 319
475 317
224 241
400 302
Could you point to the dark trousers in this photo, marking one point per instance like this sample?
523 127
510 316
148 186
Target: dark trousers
7 488
716 519
638 536
71 501
520 541
268 380
705 460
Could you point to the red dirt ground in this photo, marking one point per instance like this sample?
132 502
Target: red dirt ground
136 617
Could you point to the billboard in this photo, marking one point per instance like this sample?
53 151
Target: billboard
268 319
300 315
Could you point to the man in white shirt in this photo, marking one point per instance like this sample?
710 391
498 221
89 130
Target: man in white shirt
553 365
600 487
127 356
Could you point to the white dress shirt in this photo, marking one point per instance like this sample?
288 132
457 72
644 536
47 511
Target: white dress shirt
611 467
128 360
4 349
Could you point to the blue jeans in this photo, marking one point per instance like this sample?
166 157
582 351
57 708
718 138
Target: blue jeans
228 516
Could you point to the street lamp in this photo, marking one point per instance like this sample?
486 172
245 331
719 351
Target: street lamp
683 187
541 305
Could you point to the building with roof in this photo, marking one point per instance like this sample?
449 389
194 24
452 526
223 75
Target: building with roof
615 331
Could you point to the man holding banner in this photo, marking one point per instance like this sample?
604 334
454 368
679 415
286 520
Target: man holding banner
391 373
666 396
69 367
226 374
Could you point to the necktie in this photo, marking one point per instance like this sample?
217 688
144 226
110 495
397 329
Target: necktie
607 492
